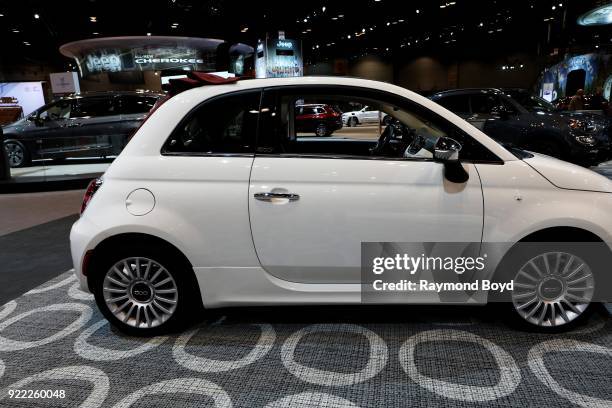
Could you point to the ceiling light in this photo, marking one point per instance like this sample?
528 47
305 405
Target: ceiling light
15 30
418 11
95 33
148 34
93 19
36 16
1 15
244 30
334 18
323 9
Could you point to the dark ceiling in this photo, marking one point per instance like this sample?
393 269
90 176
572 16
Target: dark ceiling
32 30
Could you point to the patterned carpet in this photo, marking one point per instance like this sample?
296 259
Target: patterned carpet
53 338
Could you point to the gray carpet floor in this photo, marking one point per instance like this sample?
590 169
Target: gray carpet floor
53 338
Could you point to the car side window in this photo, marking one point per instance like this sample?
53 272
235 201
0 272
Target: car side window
331 135
93 107
134 104
326 132
224 124
485 103
455 103
57 111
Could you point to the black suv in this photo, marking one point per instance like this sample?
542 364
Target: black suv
86 125
516 118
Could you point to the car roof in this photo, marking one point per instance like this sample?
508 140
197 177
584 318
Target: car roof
465 91
112 94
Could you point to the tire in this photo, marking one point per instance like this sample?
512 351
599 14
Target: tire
352 121
321 130
132 302
387 120
540 300
17 153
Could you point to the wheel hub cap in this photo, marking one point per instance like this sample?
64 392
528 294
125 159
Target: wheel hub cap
140 292
550 288
14 153
553 289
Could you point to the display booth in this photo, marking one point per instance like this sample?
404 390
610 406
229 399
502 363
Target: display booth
97 109
587 71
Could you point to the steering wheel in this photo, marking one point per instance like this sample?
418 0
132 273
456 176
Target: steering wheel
394 139
384 141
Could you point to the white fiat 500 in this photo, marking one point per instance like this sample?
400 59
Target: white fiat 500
218 201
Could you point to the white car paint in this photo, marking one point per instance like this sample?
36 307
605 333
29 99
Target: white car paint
309 250
364 116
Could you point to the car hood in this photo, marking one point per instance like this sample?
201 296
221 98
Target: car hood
568 176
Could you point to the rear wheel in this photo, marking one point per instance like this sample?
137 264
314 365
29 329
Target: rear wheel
353 121
145 292
17 154
321 130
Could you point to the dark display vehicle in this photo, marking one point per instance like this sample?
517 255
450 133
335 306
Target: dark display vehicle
89 125
514 117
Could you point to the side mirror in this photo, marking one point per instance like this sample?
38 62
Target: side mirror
447 151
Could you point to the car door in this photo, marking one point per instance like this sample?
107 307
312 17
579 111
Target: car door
312 203
52 131
370 115
93 122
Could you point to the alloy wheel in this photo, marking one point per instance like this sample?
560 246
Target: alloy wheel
140 292
321 130
15 153
553 289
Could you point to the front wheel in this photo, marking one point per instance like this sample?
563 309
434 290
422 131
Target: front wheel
145 293
553 287
17 153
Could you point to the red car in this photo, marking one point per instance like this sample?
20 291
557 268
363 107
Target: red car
320 119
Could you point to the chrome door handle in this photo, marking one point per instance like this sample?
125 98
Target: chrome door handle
271 196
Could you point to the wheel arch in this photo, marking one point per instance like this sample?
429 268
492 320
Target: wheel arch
562 234
124 240
549 234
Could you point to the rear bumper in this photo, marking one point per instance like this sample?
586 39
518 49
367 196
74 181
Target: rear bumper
80 243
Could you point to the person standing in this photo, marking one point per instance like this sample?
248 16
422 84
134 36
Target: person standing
598 102
577 102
